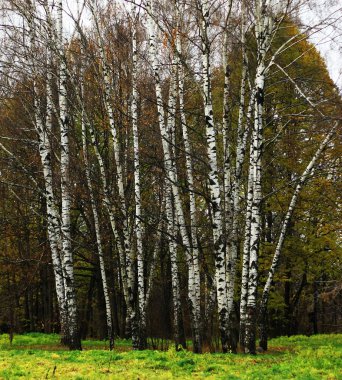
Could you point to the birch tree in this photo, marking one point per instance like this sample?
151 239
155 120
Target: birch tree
126 256
58 224
214 185
74 341
43 131
171 177
137 191
264 30
99 244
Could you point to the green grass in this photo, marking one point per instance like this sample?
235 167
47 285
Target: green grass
39 356
51 342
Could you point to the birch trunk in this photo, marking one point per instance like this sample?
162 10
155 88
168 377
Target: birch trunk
247 233
53 217
263 30
128 258
109 320
227 174
137 195
236 188
172 178
190 180
245 259
171 225
255 220
174 269
52 220
214 186
172 232
74 341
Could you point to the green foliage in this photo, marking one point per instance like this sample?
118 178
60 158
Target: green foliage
300 357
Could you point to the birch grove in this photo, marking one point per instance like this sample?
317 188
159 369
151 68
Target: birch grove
166 139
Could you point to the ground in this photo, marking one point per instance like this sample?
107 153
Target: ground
39 356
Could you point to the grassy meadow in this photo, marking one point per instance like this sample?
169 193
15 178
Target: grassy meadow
39 356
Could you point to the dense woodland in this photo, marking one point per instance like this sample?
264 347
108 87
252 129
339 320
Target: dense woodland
169 171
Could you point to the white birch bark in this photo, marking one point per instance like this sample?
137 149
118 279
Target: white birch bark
127 247
172 231
254 228
214 186
174 266
191 188
188 154
100 252
53 217
172 178
137 195
263 30
226 137
74 341
236 184
153 266
247 232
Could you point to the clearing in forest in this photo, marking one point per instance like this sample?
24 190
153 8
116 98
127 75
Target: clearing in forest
39 356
